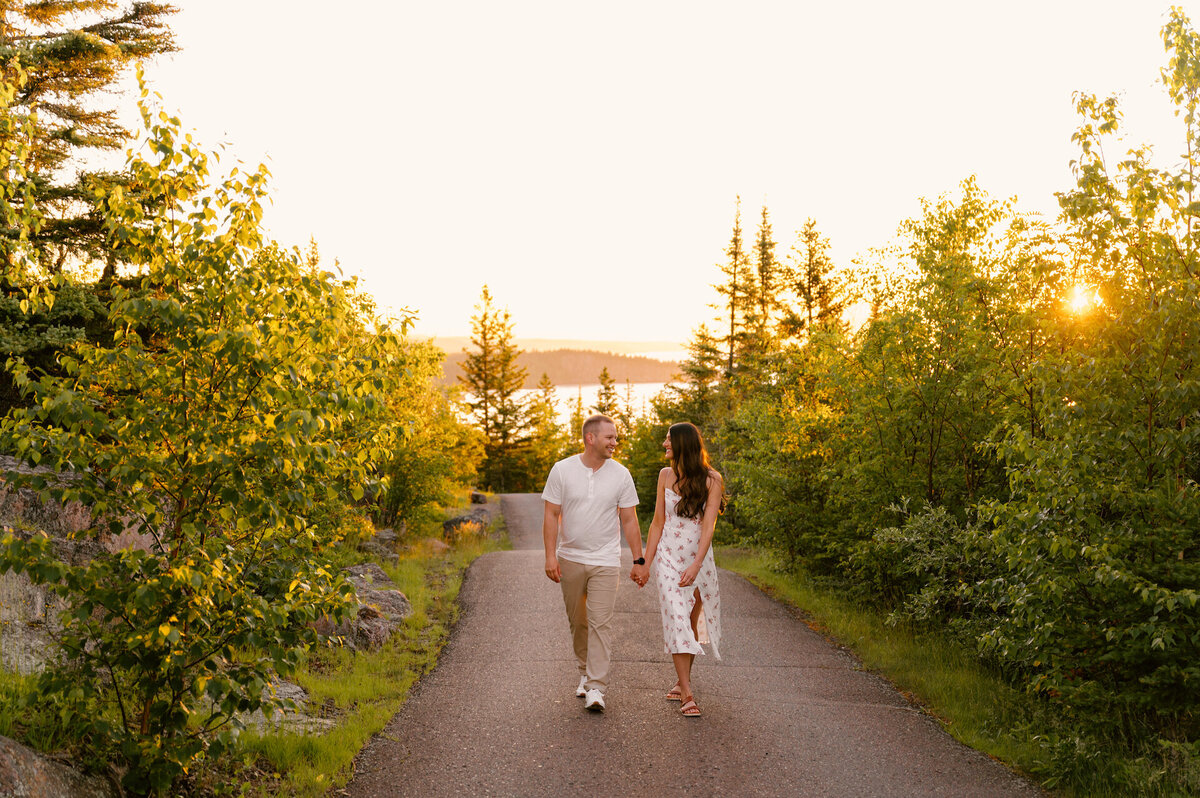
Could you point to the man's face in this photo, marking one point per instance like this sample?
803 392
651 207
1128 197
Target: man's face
603 442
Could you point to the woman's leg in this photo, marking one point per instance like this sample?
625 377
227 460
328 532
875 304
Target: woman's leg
683 667
697 612
683 670
683 662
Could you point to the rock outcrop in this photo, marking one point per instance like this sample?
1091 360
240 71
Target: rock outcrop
435 546
382 545
28 612
28 622
24 773
22 508
381 609
476 520
291 720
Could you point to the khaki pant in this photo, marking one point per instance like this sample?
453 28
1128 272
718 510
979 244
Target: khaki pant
590 594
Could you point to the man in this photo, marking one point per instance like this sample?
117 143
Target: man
589 503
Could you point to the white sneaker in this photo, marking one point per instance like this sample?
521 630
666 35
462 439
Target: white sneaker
581 690
594 700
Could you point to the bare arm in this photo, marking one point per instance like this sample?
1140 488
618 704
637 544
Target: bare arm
712 508
654 534
551 517
633 536
631 529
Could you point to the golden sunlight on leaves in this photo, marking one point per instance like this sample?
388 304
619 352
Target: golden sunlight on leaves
1082 299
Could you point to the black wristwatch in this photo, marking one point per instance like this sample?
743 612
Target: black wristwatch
640 561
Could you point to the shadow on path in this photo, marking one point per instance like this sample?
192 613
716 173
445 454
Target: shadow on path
785 713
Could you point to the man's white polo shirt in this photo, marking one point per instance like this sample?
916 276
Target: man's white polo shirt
590 531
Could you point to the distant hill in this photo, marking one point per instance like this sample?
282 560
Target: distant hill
454 344
567 367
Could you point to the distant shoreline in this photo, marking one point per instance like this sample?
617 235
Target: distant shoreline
663 350
577 367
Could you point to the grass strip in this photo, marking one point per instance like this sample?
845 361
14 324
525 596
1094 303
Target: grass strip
359 690
974 704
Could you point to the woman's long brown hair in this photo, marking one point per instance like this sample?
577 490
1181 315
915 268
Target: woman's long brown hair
689 461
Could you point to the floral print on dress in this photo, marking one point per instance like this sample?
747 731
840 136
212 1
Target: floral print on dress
676 552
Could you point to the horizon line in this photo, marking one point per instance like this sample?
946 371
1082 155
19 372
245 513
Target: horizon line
648 345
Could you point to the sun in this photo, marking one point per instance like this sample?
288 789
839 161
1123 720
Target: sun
1082 299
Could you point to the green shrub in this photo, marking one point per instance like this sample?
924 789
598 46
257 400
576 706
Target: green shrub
240 398
924 573
1100 573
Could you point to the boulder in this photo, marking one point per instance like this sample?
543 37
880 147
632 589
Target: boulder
387 536
28 774
292 720
372 628
382 545
366 575
436 546
382 608
478 498
477 520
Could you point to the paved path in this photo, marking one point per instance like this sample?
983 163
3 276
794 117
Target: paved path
785 713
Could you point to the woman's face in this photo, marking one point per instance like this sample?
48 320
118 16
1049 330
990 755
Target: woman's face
667 448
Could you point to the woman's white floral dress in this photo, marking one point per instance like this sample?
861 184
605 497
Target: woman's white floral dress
676 552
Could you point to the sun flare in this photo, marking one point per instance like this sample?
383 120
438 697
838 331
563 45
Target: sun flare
1082 299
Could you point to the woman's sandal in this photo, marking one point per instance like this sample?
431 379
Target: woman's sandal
675 694
689 708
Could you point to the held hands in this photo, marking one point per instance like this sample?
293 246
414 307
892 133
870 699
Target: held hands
640 574
689 576
552 570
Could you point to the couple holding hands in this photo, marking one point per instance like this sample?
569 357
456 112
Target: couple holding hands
590 502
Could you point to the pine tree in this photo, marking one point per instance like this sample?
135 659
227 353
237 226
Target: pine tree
809 273
493 378
575 426
547 439
767 273
628 411
763 302
735 291
606 400
62 70
701 371
702 368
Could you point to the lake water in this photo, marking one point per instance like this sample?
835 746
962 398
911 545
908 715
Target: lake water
673 356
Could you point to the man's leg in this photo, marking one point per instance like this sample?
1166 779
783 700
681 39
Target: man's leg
602 600
573 581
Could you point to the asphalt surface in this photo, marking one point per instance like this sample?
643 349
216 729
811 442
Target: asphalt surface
785 713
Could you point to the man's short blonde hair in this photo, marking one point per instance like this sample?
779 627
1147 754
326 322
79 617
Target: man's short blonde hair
593 422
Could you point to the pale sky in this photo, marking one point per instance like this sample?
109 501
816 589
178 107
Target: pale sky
583 160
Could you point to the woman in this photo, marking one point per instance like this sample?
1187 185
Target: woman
691 494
